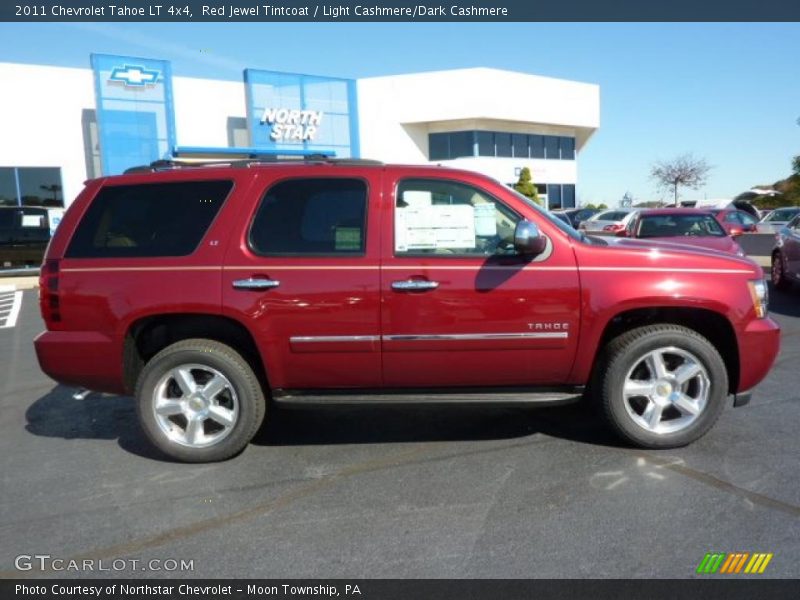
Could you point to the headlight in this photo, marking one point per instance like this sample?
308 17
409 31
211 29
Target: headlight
760 296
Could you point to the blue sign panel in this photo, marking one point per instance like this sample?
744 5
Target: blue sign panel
135 115
302 113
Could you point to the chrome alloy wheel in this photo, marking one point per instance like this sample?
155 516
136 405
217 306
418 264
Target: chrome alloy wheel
666 390
195 405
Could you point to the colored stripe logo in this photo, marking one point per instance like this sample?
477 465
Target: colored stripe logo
733 563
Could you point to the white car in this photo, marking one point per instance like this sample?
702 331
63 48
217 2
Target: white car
777 219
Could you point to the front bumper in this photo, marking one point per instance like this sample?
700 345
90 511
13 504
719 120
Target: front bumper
759 345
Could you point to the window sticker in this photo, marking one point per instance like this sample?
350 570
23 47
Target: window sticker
434 227
33 220
485 219
348 238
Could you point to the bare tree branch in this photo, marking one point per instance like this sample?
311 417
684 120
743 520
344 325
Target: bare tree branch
683 171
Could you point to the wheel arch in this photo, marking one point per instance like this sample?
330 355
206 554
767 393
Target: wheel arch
713 326
149 335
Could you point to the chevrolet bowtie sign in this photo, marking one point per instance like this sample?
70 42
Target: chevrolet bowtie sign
134 76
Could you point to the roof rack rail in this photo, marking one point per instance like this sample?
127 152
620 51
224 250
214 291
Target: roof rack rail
168 164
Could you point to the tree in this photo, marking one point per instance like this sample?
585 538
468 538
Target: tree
602 206
683 171
525 185
796 165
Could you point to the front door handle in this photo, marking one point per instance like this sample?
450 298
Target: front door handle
255 284
414 285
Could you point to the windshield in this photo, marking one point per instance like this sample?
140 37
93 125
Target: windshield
650 226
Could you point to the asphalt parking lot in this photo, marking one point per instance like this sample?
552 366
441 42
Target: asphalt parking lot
396 492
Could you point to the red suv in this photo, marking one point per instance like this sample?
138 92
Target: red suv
205 291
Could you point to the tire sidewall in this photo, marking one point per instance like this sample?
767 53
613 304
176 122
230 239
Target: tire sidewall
233 368
631 354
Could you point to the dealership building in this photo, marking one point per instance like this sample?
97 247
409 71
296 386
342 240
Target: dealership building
65 125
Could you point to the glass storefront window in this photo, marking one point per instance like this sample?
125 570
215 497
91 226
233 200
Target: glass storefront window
31 186
457 144
8 187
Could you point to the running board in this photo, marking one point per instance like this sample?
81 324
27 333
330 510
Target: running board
493 396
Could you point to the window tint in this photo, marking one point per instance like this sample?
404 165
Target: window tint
485 143
551 146
451 219
162 219
438 146
520 143
536 143
8 187
7 216
311 216
567 148
502 143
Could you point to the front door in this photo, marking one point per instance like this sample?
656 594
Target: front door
459 307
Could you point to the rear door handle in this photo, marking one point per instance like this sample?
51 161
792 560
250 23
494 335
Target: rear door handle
414 285
255 284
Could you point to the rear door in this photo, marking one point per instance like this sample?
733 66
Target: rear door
303 275
459 308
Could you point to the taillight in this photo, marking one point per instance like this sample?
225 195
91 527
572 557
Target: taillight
614 227
48 292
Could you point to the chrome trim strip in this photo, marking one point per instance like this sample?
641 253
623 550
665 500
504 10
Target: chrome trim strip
300 339
477 336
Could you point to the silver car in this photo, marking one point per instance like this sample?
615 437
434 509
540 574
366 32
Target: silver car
777 219
608 222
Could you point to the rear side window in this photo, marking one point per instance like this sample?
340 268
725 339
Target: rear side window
324 216
161 219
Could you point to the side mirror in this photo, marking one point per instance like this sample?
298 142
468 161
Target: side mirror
528 240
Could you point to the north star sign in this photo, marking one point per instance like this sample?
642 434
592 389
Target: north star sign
292 125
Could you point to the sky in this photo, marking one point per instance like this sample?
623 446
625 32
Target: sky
726 93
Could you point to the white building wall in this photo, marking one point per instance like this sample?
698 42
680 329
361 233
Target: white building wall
41 120
397 113
202 109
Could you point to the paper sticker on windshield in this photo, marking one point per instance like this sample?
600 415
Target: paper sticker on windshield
434 227
485 219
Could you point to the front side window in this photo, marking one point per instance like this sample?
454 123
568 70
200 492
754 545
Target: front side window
318 216
450 219
148 220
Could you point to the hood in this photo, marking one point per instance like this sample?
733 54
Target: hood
724 247
723 243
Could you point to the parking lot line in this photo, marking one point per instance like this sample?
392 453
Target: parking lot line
10 305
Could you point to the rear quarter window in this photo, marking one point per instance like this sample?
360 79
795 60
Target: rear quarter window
147 220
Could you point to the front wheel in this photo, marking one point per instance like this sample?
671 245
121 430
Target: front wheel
199 401
663 386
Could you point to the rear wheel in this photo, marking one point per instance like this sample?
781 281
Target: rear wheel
663 386
778 274
199 401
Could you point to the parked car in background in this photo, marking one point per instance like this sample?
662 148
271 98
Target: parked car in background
777 219
608 222
577 216
685 226
735 221
562 216
786 255
24 234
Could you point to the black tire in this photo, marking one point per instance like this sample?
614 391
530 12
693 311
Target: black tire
242 391
778 273
627 352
